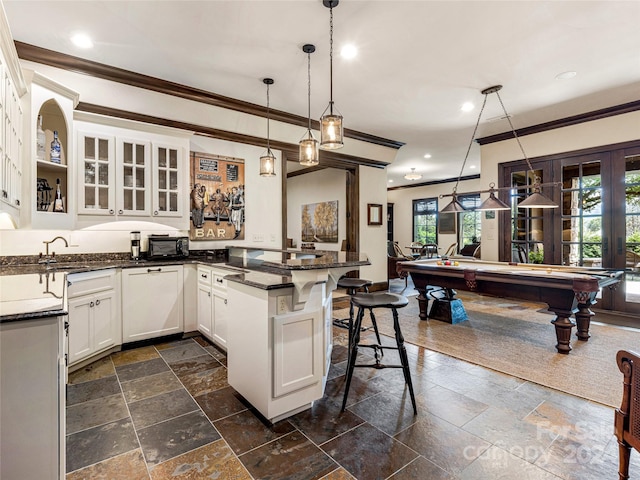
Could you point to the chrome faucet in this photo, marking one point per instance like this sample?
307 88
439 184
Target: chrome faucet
51 258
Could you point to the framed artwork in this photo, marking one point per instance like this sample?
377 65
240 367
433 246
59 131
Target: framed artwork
320 222
490 214
374 214
216 197
447 222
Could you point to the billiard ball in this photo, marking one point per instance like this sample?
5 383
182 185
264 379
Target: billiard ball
447 262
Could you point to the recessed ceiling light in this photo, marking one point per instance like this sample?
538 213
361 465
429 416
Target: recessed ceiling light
472 166
82 40
566 75
427 155
390 180
349 51
467 107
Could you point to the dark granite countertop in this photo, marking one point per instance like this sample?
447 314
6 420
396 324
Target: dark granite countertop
28 286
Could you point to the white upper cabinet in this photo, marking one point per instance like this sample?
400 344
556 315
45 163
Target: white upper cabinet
129 170
12 89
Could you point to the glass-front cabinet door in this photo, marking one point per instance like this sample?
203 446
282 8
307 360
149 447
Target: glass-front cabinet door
96 157
167 179
134 177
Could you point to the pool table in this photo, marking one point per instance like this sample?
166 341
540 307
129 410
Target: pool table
566 290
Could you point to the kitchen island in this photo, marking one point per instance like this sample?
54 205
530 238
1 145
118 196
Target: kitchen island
280 330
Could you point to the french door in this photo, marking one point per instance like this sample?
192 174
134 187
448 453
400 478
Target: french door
597 223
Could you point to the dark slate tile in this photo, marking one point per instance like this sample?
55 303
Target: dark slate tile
128 466
496 463
292 457
161 407
451 406
168 439
220 403
98 369
182 351
194 365
246 430
99 443
421 469
133 371
93 389
205 381
358 391
324 421
427 437
95 412
389 413
174 343
149 386
367 453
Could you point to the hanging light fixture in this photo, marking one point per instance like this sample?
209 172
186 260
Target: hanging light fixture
309 153
331 129
535 200
413 175
268 160
455 205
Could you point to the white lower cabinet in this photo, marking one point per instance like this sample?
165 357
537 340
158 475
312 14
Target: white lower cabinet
212 305
152 302
94 320
276 355
32 399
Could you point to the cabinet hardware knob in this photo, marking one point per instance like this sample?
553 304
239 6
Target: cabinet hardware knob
225 301
97 302
91 305
155 212
219 280
203 275
209 293
149 270
18 202
111 211
120 212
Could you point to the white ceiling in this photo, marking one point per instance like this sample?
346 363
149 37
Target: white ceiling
418 61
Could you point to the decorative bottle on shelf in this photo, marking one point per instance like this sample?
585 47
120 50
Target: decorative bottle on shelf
58 206
40 140
55 148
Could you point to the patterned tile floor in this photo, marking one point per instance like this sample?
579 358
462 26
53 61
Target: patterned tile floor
166 412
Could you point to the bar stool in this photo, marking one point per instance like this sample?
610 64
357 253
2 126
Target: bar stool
352 285
370 301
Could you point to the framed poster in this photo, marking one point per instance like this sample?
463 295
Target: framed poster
216 197
446 222
374 214
320 222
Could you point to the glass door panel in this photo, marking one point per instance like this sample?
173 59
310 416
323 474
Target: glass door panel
632 229
97 188
134 171
527 224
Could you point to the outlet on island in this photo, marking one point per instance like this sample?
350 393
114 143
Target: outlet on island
257 237
281 305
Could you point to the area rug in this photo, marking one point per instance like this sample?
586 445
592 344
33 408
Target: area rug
518 339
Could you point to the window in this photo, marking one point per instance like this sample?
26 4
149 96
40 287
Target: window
469 222
425 218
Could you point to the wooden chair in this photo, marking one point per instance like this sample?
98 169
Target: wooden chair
395 255
452 250
627 417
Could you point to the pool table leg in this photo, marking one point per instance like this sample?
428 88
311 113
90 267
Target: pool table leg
563 326
423 303
584 314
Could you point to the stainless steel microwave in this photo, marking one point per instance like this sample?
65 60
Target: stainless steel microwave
164 246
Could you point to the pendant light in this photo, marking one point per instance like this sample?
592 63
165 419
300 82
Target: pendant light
535 199
413 175
309 153
331 130
268 160
455 206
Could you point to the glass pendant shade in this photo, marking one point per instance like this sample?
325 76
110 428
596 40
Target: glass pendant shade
268 164
331 131
493 203
309 151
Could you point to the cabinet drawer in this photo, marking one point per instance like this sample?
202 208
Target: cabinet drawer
204 275
218 282
90 282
